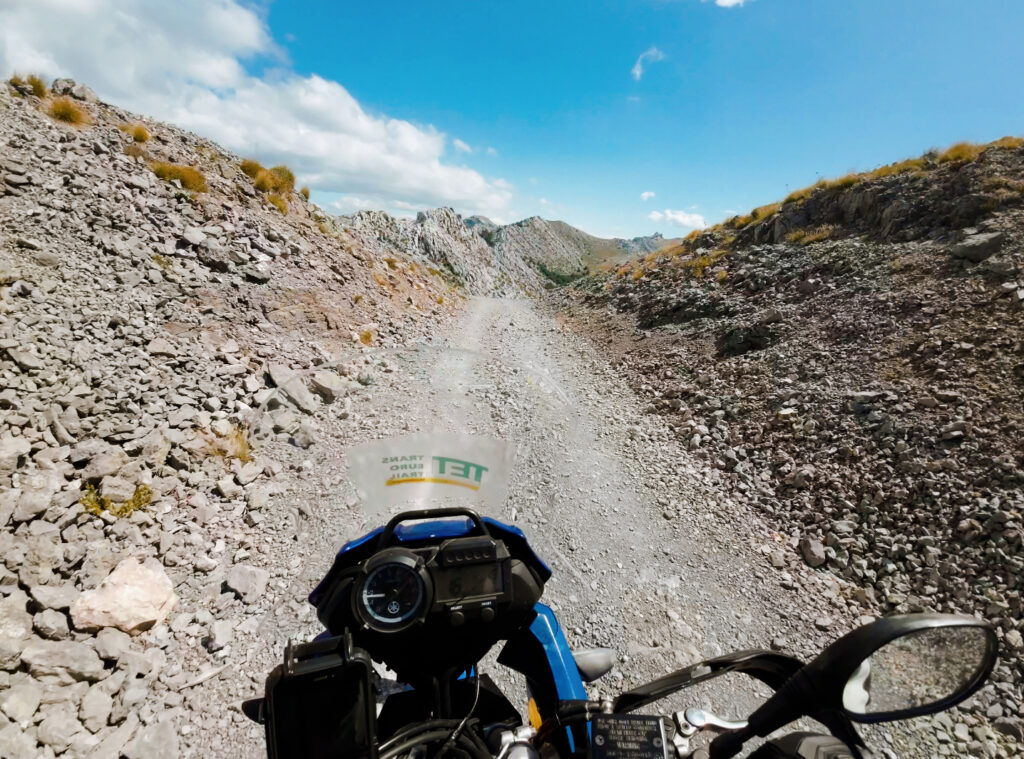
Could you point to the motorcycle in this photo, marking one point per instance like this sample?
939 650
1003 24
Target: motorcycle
431 592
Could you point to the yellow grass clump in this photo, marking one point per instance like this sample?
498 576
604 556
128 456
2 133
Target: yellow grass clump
962 152
189 177
39 88
807 236
64 109
1008 143
251 168
279 203
304 192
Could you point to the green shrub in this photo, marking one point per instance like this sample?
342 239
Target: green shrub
96 504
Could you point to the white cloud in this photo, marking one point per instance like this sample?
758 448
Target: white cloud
646 195
679 218
650 55
183 62
729 3
492 151
461 146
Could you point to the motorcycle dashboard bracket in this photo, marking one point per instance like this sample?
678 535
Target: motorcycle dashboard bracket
628 736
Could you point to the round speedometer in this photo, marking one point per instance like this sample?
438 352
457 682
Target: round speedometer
392 595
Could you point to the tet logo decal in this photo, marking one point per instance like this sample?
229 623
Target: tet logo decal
443 470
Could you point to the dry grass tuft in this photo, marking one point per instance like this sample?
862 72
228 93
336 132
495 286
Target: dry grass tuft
234 445
189 177
900 167
96 504
1008 143
284 179
251 168
137 132
39 88
16 81
366 336
962 152
304 192
808 236
135 150
64 109
279 203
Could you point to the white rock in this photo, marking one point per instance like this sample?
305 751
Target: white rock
136 596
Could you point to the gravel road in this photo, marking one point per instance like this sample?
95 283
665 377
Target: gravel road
649 558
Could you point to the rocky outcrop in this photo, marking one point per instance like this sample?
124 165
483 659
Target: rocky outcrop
440 238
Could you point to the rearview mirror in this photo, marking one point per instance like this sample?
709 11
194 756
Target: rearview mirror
894 668
920 671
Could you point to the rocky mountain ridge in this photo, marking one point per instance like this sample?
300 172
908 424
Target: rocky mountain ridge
558 250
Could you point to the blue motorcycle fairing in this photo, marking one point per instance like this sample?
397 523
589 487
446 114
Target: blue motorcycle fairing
358 549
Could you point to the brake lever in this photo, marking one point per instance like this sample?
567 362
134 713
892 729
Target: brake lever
700 719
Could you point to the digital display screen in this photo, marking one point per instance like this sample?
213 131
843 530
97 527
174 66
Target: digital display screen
468 582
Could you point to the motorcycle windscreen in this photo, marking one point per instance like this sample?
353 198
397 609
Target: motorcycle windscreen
431 470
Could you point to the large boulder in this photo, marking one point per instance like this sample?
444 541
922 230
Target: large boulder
976 248
71 88
63 662
134 597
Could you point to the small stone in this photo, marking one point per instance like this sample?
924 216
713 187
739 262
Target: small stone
156 741
15 621
21 701
161 347
15 744
813 551
37 493
248 582
1011 726
292 387
228 488
329 385
117 489
12 449
58 730
136 596
194 236
221 634
1014 639
111 643
823 623
51 624
95 708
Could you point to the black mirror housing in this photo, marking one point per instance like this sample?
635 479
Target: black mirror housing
817 689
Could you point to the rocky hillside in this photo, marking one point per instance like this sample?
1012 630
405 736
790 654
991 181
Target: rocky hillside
558 250
852 362
440 238
155 341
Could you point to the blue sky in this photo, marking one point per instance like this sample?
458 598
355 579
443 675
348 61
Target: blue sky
515 109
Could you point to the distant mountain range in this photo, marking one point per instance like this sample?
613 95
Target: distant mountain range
560 250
